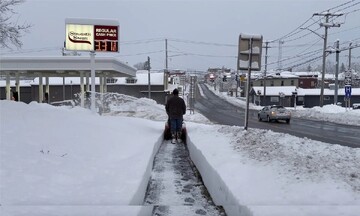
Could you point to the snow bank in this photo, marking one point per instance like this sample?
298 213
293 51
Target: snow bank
271 173
56 158
220 192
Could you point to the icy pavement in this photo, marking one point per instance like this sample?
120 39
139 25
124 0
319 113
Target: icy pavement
175 187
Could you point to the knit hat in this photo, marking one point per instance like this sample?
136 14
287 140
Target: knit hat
176 92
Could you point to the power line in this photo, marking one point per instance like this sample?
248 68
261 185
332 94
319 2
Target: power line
343 4
180 53
305 62
350 6
32 50
134 42
144 53
304 55
202 43
298 29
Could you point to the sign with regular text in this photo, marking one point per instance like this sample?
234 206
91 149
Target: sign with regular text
92 35
106 38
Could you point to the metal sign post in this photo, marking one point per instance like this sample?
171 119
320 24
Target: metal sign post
248 85
249 58
191 100
348 82
93 91
347 95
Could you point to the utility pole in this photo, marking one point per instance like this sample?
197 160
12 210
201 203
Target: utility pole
281 42
64 54
149 83
238 78
265 70
166 55
166 72
327 25
337 73
349 67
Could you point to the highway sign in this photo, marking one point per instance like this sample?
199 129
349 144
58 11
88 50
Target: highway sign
348 91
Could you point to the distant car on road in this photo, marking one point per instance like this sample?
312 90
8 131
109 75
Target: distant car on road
356 106
274 112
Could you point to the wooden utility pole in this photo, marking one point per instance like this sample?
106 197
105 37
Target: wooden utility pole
327 25
265 70
337 73
149 83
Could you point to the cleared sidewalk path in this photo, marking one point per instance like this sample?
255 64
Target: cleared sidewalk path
175 186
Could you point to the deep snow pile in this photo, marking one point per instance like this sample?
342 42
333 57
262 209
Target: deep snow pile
304 159
330 113
124 105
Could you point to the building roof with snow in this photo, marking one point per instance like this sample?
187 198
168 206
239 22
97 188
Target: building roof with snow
288 91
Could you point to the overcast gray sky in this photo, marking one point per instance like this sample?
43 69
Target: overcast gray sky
201 34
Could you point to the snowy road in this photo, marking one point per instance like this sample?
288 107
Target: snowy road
175 187
220 111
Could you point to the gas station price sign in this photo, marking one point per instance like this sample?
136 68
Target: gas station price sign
106 38
92 35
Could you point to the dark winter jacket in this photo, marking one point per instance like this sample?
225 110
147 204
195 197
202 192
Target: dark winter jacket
175 107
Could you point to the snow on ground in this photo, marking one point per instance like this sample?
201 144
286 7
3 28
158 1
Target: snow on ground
61 161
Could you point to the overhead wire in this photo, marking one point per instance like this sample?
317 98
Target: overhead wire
31 50
288 37
141 41
201 42
298 29
137 54
305 62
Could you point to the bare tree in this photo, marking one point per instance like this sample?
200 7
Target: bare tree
10 32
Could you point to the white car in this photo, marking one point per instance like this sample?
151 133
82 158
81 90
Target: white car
356 106
274 113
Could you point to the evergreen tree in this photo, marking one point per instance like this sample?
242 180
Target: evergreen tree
342 67
309 69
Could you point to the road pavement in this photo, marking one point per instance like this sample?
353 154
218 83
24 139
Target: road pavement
220 111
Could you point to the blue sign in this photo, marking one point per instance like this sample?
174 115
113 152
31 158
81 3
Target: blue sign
347 91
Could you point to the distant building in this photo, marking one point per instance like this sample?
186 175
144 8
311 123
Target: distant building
285 96
136 86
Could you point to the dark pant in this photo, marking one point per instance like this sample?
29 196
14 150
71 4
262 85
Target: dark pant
175 125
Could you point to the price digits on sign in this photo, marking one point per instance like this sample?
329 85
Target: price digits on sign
106 45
